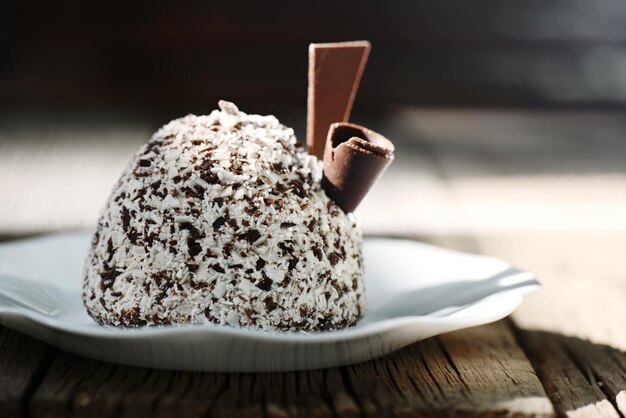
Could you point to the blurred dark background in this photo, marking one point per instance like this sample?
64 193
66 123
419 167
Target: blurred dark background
183 56
507 115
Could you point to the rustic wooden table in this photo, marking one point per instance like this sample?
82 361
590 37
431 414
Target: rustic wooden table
545 191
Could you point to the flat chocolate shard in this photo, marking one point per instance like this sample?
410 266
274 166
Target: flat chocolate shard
355 157
335 71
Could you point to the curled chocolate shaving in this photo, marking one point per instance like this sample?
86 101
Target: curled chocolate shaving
354 158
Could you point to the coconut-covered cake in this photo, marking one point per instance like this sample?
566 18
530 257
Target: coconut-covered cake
222 219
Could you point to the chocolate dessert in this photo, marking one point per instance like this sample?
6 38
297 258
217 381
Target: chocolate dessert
226 219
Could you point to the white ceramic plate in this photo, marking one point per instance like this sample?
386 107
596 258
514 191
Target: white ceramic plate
414 290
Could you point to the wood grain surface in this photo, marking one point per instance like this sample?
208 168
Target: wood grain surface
482 371
23 363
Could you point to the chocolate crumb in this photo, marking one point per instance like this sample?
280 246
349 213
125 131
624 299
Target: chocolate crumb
217 268
130 316
270 303
298 188
210 178
286 247
125 218
228 249
265 283
199 190
220 221
194 247
334 258
132 235
317 252
108 277
110 251
251 236
292 263
198 285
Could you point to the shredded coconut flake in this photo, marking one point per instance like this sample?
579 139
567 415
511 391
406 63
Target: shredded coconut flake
221 219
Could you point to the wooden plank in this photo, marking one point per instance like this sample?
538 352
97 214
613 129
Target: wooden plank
194 393
580 376
63 384
476 372
80 387
23 362
242 397
604 365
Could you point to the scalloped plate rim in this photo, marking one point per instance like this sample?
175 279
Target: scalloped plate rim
53 329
